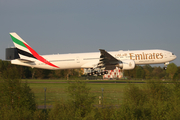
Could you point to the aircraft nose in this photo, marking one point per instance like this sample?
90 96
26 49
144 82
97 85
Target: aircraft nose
174 56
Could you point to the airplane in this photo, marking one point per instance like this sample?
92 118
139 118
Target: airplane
96 62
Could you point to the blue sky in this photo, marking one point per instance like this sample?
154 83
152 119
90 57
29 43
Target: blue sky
74 26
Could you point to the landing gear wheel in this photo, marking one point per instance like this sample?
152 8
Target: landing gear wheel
92 73
164 68
102 73
99 74
105 72
95 72
89 74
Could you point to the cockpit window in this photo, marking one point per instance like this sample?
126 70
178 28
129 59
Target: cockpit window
172 53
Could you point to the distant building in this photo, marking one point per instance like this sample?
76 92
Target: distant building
112 74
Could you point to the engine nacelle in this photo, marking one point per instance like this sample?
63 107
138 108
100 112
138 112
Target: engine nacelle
127 65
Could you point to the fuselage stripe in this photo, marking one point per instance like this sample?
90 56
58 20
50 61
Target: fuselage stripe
40 58
25 53
17 41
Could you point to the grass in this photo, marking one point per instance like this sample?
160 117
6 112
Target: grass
54 92
113 90
138 100
57 90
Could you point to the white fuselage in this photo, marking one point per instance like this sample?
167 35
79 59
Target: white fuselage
90 60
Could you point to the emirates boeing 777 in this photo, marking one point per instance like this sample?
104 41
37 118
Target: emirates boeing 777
97 62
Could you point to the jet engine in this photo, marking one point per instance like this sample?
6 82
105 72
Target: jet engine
127 65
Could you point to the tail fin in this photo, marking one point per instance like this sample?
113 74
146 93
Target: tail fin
22 47
25 52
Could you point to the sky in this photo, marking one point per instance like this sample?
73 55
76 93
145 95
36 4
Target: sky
76 26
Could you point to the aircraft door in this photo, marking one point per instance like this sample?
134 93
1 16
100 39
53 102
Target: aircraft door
77 59
165 55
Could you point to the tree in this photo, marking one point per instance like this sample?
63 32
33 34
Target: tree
78 107
80 97
148 71
158 73
177 74
16 98
171 70
131 73
40 73
139 72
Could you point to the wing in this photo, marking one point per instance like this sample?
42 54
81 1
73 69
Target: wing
107 60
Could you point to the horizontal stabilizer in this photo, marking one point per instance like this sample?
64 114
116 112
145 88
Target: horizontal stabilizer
25 61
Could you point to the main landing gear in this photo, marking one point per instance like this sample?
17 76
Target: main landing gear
97 72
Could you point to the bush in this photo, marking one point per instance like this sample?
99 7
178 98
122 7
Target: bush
78 106
17 101
156 101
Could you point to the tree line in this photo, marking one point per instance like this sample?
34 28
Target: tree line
34 73
139 72
149 72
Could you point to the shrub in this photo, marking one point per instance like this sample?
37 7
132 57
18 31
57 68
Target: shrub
78 106
17 101
156 101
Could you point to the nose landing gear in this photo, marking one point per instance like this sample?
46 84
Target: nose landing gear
165 65
165 68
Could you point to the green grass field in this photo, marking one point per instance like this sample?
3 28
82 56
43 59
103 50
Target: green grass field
122 99
57 90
